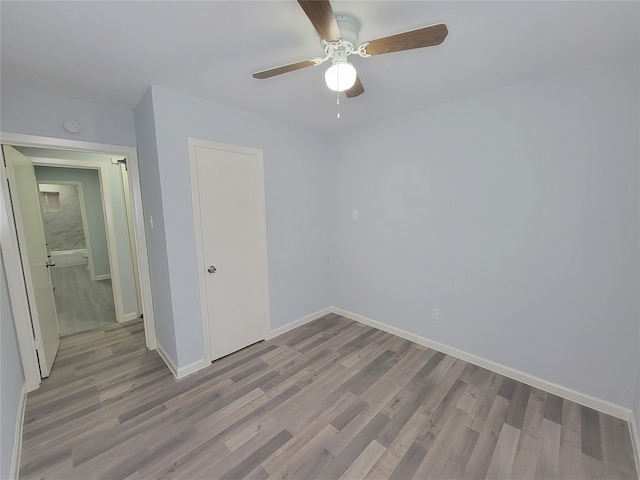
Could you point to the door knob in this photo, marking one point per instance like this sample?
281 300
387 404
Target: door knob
212 269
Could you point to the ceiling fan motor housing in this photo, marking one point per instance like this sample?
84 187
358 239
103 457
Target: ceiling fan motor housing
339 38
339 55
349 29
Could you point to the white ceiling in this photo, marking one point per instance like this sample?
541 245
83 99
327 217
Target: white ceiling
108 52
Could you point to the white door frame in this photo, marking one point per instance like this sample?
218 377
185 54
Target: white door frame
107 210
131 231
193 143
10 246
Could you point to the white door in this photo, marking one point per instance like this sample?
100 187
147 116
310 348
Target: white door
33 252
228 202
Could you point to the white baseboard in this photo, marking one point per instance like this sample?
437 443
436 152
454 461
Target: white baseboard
128 317
180 373
17 442
604 406
102 277
192 368
167 360
635 440
301 321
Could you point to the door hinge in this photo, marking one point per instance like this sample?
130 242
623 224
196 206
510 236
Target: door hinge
119 161
38 344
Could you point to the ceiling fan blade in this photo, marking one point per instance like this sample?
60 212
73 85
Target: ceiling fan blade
356 90
272 72
422 37
323 19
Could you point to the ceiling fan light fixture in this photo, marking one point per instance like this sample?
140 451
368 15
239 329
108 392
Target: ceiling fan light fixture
340 76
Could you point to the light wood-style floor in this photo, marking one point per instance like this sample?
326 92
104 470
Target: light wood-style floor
331 399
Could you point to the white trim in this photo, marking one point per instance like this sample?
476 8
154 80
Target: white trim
195 203
128 211
85 227
603 406
193 144
17 442
109 219
298 323
136 198
18 296
128 317
142 258
167 359
106 276
192 368
180 373
635 440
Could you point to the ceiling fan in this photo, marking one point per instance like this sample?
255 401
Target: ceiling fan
339 36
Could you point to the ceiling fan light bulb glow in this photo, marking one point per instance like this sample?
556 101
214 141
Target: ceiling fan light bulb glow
340 76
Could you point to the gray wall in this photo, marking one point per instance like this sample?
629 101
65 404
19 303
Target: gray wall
35 113
636 404
93 203
514 212
161 281
297 207
12 378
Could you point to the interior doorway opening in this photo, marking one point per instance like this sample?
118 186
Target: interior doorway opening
82 288
131 283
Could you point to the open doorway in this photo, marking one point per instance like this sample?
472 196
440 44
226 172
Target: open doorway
77 247
128 263
103 182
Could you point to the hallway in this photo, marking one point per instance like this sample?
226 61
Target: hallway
81 304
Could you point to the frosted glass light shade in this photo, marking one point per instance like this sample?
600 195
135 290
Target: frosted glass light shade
340 76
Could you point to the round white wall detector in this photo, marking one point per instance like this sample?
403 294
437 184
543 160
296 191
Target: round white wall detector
71 126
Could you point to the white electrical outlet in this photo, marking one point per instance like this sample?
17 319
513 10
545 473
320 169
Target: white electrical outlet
355 214
435 314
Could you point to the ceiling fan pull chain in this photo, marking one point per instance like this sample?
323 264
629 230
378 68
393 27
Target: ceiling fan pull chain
338 98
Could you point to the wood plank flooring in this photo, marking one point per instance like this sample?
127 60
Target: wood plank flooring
333 399
81 304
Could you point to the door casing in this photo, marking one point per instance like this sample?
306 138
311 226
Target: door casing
105 187
10 245
261 243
